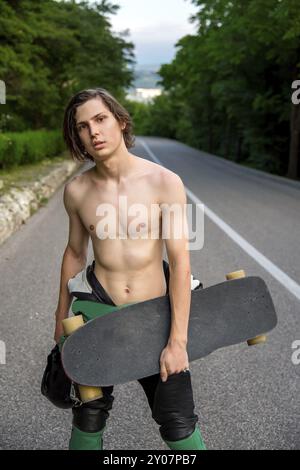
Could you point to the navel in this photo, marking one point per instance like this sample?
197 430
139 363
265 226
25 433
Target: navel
141 225
92 227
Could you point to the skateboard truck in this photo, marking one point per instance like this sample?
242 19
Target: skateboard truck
258 339
70 325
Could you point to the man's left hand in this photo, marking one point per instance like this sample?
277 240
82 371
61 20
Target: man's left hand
173 359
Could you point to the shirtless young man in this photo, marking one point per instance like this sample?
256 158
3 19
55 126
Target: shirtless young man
128 268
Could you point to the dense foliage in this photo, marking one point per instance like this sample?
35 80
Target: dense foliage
228 90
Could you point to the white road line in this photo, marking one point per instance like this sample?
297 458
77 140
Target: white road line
274 270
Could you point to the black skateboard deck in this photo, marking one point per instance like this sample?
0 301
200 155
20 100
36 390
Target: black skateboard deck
126 344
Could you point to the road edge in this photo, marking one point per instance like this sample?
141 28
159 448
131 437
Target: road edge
18 204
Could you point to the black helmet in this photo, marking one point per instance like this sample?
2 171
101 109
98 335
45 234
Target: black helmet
56 386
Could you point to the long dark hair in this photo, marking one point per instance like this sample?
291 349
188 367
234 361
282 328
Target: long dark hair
70 133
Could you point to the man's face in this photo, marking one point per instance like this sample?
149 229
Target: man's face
95 123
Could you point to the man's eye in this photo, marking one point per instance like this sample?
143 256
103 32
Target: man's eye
100 119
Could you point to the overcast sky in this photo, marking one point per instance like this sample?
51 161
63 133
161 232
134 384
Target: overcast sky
155 26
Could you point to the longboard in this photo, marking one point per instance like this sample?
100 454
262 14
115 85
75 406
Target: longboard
126 344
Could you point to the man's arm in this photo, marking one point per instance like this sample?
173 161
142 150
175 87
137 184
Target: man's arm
175 228
74 258
175 232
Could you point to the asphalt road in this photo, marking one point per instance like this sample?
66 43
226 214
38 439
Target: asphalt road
246 398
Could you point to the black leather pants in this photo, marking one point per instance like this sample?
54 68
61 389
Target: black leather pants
171 403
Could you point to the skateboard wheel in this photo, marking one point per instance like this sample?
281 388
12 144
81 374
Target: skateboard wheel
257 340
89 393
235 275
72 324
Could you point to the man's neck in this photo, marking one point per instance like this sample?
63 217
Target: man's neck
115 168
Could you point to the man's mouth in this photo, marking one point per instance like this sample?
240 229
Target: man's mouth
98 144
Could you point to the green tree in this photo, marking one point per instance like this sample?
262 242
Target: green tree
49 50
232 82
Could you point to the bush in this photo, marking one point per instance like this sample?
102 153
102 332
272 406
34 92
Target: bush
21 148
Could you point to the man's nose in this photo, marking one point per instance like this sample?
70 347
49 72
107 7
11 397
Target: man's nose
94 130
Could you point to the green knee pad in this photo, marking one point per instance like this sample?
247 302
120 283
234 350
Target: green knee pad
81 440
193 442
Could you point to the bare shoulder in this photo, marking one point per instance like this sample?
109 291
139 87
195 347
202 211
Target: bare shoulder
171 178
159 173
77 183
168 180
73 191
171 188
168 185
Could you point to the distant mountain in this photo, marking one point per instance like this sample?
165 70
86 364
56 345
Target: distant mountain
149 67
146 76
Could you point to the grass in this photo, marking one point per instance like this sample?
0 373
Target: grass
20 176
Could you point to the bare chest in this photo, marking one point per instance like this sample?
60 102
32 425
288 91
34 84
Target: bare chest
128 211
